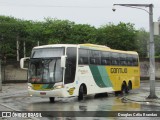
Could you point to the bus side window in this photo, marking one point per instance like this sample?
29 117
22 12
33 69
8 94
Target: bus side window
115 58
83 56
104 62
123 59
129 60
105 58
92 60
135 60
95 57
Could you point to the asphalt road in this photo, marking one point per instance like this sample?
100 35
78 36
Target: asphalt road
14 97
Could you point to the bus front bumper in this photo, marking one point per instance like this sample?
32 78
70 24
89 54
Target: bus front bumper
50 93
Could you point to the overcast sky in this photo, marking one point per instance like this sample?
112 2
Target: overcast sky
93 12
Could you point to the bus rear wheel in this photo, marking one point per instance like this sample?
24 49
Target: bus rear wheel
129 86
52 99
81 93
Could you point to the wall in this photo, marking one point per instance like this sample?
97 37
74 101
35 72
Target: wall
11 72
144 66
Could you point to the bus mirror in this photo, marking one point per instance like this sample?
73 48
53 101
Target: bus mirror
63 61
22 61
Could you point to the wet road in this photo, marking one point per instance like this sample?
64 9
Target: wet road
134 101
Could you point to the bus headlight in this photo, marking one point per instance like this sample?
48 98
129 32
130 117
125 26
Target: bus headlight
58 86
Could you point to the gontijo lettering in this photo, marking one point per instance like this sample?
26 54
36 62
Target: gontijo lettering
118 70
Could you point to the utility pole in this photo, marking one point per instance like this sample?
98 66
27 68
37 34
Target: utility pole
152 55
151 44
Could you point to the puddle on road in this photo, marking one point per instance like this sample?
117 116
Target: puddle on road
110 103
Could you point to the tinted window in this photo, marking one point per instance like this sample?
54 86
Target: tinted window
129 60
105 58
70 65
135 60
122 61
83 56
115 58
94 57
47 52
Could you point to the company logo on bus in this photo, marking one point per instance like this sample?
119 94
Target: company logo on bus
71 91
118 70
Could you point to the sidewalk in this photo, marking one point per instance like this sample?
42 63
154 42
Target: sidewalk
142 98
142 94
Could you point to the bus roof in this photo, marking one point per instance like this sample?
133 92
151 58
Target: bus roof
86 46
104 48
55 45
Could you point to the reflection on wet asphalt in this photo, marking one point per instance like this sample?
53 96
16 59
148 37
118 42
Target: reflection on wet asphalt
111 103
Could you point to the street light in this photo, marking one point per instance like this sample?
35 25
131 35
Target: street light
151 44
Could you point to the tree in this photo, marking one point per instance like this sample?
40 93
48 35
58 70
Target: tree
82 33
157 45
142 42
52 31
8 27
57 31
121 36
34 35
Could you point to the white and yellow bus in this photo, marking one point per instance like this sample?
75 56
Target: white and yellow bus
65 70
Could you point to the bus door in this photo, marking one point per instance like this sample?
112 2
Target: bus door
70 67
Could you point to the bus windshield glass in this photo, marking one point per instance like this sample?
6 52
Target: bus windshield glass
47 52
44 67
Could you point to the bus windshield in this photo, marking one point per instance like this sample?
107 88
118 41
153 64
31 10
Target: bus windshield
47 52
45 65
46 70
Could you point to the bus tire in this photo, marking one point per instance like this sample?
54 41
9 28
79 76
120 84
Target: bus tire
52 99
117 93
124 88
81 93
129 86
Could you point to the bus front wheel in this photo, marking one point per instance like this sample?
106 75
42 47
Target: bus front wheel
52 99
80 96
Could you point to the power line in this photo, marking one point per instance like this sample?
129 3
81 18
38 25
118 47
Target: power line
56 6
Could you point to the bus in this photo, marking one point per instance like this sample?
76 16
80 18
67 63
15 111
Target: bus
66 70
